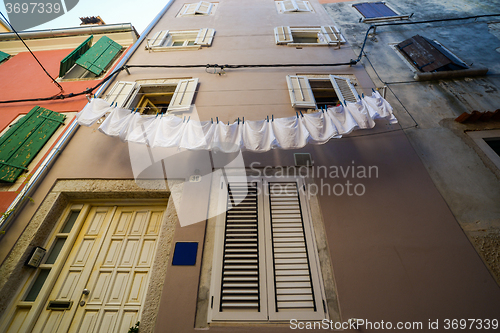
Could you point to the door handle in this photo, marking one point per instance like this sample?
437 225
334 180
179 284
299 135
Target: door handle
86 292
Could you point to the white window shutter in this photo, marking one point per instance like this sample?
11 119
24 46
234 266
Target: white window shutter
205 37
283 35
183 95
344 89
120 93
289 6
158 39
302 6
204 8
190 9
294 282
300 91
332 34
239 273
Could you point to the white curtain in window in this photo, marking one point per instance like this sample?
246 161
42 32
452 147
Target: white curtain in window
282 133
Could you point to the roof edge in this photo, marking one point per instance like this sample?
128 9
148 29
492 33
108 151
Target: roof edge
66 32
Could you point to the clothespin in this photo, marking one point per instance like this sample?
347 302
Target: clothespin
373 90
243 120
296 113
272 119
217 119
183 120
238 120
363 95
212 120
301 114
267 118
188 119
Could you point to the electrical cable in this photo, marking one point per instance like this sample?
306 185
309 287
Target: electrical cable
374 26
388 86
361 52
53 80
222 67
70 95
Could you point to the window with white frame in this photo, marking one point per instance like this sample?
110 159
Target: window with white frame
154 97
308 36
166 40
197 9
266 265
489 142
317 92
293 6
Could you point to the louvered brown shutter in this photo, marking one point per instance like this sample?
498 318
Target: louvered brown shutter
344 89
239 278
293 268
265 263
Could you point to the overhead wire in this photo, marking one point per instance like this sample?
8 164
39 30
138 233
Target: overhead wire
38 61
222 67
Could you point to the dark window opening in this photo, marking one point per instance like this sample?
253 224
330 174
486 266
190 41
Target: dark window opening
153 99
305 37
494 144
429 56
323 92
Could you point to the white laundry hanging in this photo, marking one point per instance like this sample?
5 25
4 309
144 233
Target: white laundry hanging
259 136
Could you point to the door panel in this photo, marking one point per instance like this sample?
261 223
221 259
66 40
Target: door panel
111 257
120 275
76 271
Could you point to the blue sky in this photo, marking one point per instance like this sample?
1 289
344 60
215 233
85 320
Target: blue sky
139 13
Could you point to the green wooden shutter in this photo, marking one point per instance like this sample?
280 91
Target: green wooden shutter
71 58
98 57
4 56
22 142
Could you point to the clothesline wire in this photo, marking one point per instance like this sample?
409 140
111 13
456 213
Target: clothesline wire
390 89
204 91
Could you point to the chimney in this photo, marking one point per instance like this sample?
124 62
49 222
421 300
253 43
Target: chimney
92 20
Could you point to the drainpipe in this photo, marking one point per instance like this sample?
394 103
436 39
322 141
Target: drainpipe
68 134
